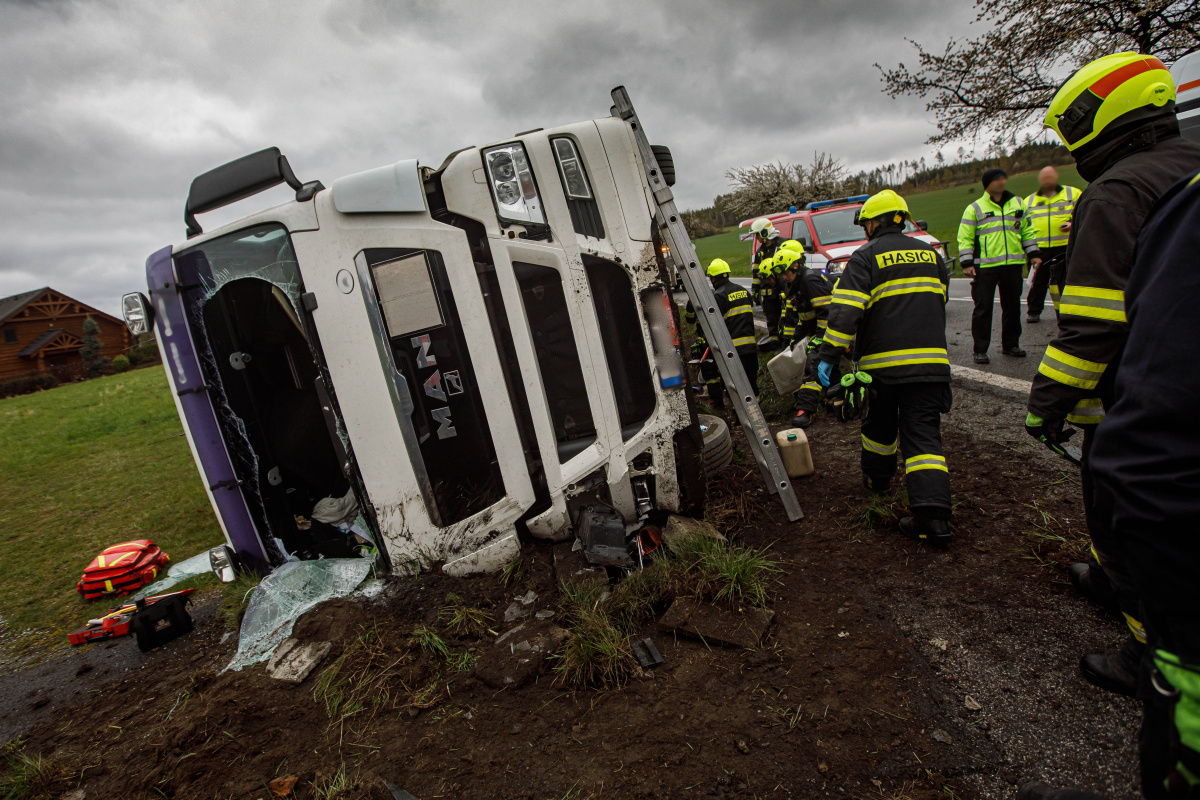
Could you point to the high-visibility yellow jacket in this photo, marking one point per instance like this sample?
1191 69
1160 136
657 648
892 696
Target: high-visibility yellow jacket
1046 215
994 234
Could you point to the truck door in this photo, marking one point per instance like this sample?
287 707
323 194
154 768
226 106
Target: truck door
411 352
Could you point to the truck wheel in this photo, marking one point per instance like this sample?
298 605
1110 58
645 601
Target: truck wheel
718 445
666 164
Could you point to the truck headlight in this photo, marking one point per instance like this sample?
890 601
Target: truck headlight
513 187
135 308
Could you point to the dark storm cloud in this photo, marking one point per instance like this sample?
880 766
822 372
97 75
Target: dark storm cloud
111 108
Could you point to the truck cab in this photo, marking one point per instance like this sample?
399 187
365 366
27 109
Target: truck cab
827 230
429 363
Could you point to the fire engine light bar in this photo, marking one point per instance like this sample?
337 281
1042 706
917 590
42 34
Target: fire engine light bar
512 183
135 308
858 198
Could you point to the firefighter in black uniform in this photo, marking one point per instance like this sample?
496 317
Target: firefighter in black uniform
805 314
737 309
1147 456
893 295
770 298
1117 116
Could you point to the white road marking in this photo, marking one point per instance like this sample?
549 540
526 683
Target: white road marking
1002 381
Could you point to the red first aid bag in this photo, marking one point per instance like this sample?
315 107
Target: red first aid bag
121 569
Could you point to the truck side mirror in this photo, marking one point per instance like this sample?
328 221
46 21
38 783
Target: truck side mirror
922 224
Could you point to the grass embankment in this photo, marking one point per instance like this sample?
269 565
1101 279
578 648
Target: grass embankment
942 209
85 466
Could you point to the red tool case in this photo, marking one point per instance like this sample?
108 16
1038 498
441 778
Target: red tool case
119 621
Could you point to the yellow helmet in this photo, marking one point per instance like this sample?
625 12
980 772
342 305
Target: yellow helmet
717 267
880 204
1124 86
791 244
766 267
786 259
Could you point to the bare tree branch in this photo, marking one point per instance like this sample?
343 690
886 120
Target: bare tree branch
997 83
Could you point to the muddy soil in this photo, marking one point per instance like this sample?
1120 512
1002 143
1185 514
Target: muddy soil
893 670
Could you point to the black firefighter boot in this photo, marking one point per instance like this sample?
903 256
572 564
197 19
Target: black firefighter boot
1091 582
1115 672
934 531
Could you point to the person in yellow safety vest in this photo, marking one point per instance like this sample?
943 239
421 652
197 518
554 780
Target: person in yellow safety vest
993 241
1117 117
892 296
1049 211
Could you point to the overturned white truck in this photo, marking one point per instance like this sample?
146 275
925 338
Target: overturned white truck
430 360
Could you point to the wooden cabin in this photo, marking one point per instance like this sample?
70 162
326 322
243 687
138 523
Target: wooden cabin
42 331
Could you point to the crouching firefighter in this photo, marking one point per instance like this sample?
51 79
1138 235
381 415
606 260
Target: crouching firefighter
805 314
737 310
892 294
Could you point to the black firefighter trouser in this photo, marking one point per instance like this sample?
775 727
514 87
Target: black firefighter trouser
983 291
1112 571
1035 300
716 387
772 306
908 416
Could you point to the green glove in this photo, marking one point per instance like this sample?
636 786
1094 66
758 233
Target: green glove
1185 685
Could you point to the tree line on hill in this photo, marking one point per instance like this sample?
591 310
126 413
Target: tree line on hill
771 188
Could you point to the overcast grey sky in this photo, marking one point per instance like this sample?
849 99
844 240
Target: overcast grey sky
111 108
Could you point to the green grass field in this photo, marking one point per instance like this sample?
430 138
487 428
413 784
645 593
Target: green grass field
942 209
727 246
82 467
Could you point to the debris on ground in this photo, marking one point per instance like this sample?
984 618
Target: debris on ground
570 565
645 651
282 787
292 661
519 656
284 595
680 529
199 564
744 628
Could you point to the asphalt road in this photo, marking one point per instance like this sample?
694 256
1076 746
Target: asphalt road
1034 338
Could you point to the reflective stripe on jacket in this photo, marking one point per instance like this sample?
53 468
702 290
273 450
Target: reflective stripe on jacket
1079 364
807 310
1046 215
892 295
992 235
737 309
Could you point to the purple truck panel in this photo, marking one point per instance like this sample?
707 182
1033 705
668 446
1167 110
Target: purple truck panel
199 416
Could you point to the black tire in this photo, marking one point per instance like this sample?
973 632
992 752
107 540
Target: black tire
718 444
666 164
